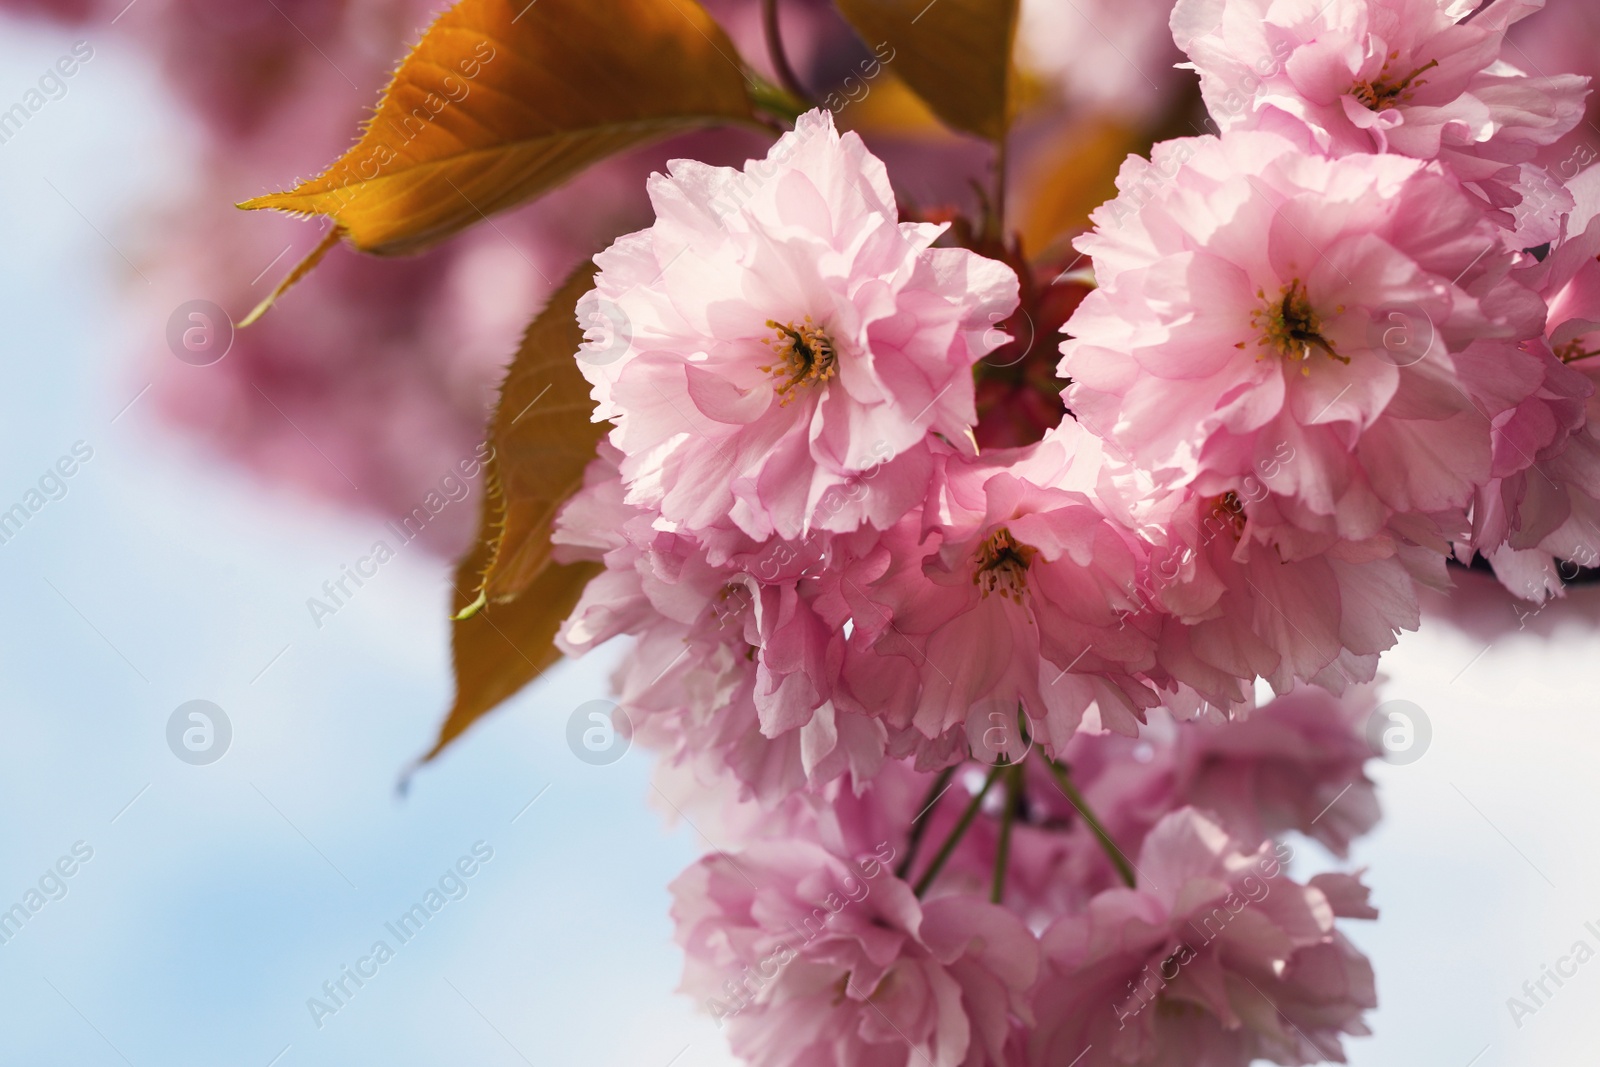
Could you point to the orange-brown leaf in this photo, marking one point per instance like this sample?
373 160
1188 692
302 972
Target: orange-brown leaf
504 646
542 437
509 597
955 54
504 99
891 108
1070 178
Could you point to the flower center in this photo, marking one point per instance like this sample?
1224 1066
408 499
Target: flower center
730 603
1227 513
805 357
1290 327
1001 565
1380 93
1573 351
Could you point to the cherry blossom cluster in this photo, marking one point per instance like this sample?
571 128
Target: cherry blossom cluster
982 718
1373 203
1170 930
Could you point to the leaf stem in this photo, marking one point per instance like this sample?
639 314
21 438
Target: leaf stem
919 827
1112 852
304 267
780 61
776 101
956 834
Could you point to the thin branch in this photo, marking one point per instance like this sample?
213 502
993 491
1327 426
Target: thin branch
956 834
780 61
1112 852
919 827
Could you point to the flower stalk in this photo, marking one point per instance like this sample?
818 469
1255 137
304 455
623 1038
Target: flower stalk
956 834
1113 853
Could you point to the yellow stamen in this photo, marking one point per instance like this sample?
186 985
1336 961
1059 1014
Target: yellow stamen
1573 351
1290 326
807 357
1380 94
1001 565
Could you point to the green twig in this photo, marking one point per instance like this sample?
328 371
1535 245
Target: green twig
919 825
1112 852
956 834
775 100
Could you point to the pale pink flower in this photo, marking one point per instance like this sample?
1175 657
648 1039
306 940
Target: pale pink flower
1538 520
1560 41
1247 313
1236 602
1007 593
1401 76
807 959
778 337
1218 958
731 673
1229 593
1296 764
1545 487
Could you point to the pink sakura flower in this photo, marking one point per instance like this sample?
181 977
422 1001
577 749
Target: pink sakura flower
1232 607
1559 40
810 960
1249 299
1544 489
1008 593
1402 76
1296 764
1230 594
731 673
778 335
1538 520
1217 959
